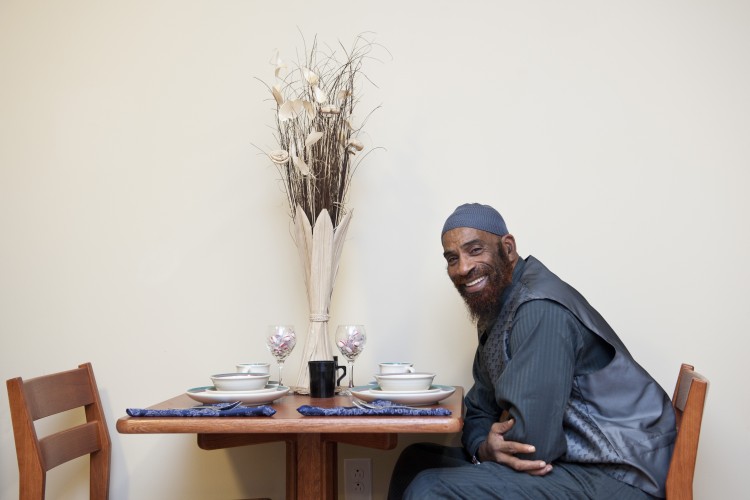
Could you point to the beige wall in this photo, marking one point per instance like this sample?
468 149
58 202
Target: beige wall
141 231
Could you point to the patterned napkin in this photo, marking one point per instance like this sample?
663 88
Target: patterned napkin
239 411
385 409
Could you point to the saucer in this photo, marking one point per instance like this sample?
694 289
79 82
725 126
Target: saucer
431 396
268 388
209 394
433 388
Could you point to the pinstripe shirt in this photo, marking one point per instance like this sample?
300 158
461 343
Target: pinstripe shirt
549 347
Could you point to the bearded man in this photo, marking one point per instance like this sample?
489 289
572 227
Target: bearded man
559 408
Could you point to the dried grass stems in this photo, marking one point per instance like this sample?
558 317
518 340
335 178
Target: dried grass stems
317 141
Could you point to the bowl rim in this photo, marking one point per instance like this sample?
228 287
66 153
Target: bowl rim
414 375
239 376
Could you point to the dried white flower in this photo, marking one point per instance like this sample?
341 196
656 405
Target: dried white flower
355 144
309 109
310 76
312 138
320 96
286 111
301 165
279 156
294 109
276 91
279 65
330 109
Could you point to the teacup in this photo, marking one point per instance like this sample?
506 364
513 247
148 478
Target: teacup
396 367
260 368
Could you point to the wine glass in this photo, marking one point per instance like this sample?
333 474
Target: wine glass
350 339
280 342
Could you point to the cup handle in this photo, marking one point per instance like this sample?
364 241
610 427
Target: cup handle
343 374
410 369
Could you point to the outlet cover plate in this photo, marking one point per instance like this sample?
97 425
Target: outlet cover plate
358 479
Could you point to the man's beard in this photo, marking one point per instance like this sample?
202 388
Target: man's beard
484 306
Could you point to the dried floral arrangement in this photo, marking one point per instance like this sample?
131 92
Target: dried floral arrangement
318 144
319 149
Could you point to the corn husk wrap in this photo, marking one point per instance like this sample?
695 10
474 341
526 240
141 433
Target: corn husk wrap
319 250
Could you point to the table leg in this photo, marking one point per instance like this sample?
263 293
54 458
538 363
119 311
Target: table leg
291 469
315 467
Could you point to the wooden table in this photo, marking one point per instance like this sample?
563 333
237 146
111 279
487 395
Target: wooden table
311 442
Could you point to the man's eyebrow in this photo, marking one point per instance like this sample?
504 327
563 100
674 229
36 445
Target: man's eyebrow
473 242
476 241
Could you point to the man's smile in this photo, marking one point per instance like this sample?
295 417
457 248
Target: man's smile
475 285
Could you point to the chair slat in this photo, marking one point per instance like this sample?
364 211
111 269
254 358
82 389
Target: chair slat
59 392
69 444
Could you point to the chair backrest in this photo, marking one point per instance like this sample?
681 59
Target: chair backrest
36 398
688 400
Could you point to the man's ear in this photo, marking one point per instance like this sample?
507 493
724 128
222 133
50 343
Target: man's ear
509 246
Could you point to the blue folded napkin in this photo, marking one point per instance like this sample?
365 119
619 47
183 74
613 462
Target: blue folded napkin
239 411
385 409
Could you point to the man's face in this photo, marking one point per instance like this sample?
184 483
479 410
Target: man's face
480 269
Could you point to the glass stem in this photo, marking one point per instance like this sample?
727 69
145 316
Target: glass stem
281 366
351 374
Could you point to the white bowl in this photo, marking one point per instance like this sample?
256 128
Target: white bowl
417 381
240 381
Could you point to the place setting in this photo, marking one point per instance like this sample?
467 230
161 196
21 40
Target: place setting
244 392
236 394
250 384
398 388
395 383
246 388
400 383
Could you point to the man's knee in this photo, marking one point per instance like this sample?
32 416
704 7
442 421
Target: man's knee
420 457
427 484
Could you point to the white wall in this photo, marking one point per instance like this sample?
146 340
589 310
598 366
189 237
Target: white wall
141 231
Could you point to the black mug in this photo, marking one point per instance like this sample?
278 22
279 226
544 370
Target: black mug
323 378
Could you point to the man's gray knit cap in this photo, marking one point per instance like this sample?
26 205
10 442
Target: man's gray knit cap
477 216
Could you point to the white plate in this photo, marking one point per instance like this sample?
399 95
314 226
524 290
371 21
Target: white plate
208 394
369 393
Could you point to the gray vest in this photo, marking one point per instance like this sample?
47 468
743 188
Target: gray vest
618 417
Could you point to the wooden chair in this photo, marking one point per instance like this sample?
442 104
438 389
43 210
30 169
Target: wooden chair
36 398
689 397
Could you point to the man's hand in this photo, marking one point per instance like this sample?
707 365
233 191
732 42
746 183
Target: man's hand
496 449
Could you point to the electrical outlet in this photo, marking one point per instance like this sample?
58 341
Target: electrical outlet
357 479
